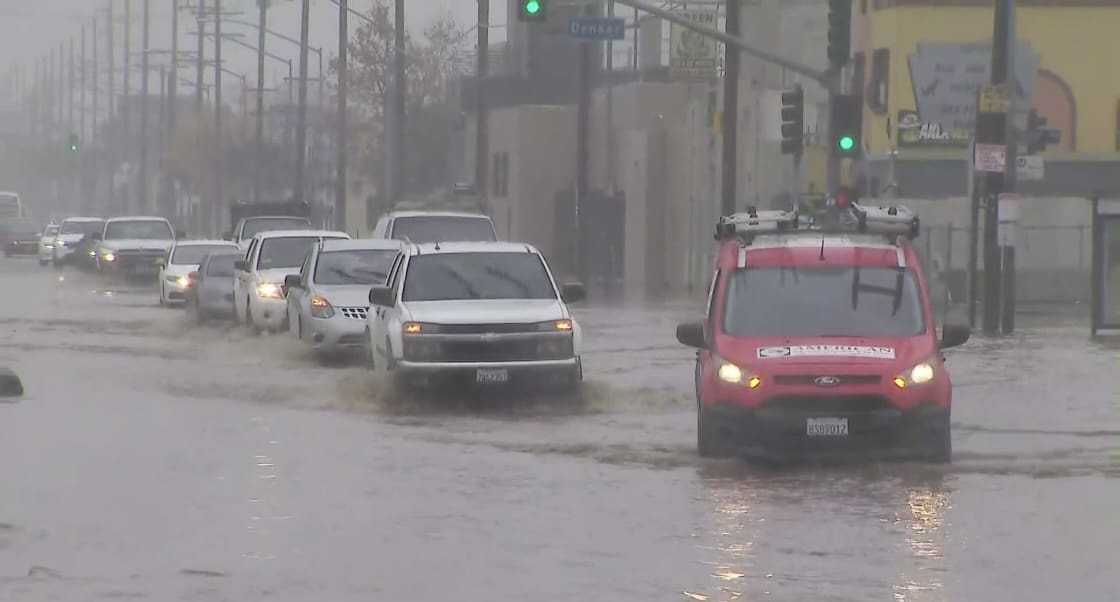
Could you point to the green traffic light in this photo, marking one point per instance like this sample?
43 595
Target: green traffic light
533 7
846 143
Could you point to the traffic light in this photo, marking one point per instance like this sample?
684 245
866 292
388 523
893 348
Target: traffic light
793 120
75 143
839 32
1036 134
846 122
532 10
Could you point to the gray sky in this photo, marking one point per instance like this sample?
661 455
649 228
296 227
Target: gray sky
30 28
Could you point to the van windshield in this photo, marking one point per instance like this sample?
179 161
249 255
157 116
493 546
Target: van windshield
443 228
836 301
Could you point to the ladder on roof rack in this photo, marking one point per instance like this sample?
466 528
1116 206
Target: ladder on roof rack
892 222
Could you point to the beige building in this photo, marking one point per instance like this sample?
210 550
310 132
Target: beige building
665 155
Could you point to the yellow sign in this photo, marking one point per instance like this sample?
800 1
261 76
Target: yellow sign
993 99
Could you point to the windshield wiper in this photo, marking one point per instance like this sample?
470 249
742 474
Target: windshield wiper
505 276
471 292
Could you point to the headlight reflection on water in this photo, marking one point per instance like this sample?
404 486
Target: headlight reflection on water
927 508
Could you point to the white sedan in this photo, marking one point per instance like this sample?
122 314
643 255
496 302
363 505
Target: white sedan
182 259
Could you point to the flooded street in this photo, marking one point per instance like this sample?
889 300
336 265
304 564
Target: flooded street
153 461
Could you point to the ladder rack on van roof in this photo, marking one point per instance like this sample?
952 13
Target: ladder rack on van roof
891 222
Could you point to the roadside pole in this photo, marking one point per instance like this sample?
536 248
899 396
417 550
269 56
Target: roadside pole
1010 175
730 153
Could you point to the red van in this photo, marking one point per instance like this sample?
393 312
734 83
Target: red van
820 341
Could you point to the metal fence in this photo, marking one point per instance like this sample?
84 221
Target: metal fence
1053 263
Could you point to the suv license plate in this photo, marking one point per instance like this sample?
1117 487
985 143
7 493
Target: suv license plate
491 376
826 427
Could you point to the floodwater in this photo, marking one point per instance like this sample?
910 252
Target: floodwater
153 461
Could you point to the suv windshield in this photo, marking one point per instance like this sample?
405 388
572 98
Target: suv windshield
366 267
81 227
221 264
823 301
285 252
443 228
141 229
193 254
448 276
254 226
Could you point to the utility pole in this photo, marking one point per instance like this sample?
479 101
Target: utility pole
110 52
142 172
61 82
218 147
173 83
258 167
126 121
730 154
583 152
995 306
1010 173
70 85
340 184
612 183
301 127
482 125
111 141
82 87
400 93
93 73
200 58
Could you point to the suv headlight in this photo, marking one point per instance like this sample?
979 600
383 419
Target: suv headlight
269 290
920 374
734 374
563 325
321 308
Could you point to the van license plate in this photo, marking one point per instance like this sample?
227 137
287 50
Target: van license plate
827 427
492 376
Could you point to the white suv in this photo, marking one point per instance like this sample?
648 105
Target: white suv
475 313
258 284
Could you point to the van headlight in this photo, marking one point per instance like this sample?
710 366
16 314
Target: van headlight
736 375
918 375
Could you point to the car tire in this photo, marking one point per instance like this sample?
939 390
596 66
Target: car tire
710 442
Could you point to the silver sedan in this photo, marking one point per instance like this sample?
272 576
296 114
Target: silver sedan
209 291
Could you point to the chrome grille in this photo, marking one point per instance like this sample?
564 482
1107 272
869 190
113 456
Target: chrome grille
358 313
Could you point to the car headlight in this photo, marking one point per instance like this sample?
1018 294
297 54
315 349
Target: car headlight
321 308
736 375
918 375
108 256
181 281
269 290
419 328
61 243
564 325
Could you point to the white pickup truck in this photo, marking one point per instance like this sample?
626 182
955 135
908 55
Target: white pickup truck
133 246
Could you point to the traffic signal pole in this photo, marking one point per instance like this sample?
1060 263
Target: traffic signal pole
730 153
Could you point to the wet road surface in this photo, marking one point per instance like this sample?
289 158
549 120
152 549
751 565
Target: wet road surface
153 461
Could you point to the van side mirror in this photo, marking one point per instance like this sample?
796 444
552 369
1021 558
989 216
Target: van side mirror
241 265
180 234
293 281
227 236
573 292
381 296
954 335
691 334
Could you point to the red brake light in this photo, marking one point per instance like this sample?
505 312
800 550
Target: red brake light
841 199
